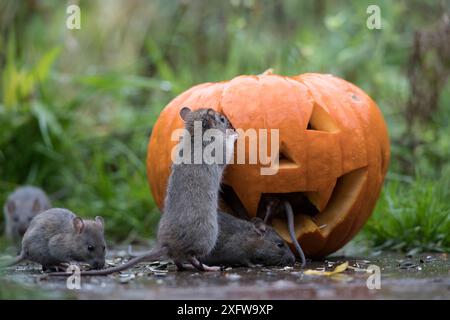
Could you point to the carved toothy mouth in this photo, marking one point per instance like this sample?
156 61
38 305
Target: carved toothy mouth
317 210
343 197
285 162
308 216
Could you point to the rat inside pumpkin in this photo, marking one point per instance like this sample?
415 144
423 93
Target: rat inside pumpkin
334 151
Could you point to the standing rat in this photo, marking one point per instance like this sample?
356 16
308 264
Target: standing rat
188 229
58 236
21 207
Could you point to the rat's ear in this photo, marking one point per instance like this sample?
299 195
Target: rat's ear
10 207
78 225
212 119
184 112
36 206
100 221
259 225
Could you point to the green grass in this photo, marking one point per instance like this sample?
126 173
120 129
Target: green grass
412 216
77 107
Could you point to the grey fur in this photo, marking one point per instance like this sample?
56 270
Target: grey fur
240 243
188 229
53 239
245 243
20 208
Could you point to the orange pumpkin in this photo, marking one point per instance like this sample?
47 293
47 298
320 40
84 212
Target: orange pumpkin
334 150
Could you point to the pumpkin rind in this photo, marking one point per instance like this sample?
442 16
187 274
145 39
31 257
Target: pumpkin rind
340 164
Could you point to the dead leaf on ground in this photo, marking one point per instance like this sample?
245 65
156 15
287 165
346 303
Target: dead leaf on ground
340 268
336 274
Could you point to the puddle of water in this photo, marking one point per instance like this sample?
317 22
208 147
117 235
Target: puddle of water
425 276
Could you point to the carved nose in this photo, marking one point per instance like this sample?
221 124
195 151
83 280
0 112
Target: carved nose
22 231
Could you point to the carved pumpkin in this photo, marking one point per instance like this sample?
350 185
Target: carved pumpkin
334 150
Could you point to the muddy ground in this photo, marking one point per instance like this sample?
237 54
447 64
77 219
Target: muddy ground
423 276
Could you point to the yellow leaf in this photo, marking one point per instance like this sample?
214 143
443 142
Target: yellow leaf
317 273
340 268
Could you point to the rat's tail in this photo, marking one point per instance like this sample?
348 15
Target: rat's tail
155 253
290 219
131 253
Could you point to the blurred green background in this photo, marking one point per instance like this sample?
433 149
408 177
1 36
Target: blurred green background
77 106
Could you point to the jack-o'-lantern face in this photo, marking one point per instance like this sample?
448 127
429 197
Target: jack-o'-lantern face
334 151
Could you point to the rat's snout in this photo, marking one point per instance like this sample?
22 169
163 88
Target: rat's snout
288 259
22 230
98 264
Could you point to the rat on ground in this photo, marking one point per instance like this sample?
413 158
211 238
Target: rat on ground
57 237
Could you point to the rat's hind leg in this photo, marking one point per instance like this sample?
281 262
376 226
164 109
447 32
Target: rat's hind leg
180 266
186 266
200 266
197 264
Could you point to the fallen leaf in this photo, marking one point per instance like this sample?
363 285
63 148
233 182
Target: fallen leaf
340 268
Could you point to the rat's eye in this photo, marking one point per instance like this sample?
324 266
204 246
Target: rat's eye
222 119
91 247
280 244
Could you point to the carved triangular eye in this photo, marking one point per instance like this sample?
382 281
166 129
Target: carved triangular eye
321 120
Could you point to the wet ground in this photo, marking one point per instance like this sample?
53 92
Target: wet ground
423 276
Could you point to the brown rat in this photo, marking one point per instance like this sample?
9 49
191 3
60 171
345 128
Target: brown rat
58 236
20 208
272 206
188 229
248 243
